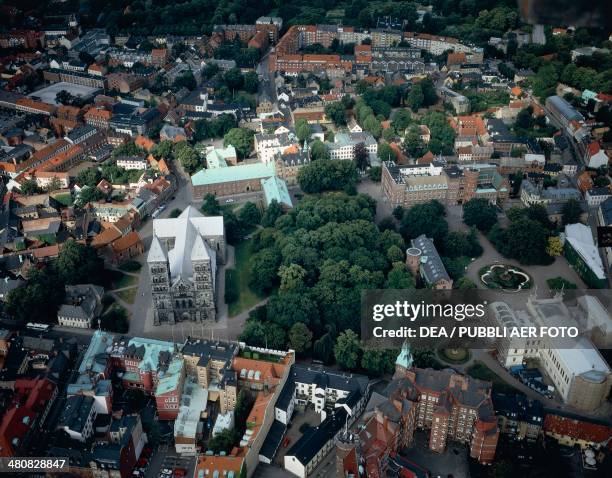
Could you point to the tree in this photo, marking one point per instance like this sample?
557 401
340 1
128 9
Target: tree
241 139
251 82
524 119
395 254
210 206
302 130
571 212
323 348
39 299
375 173
79 264
347 349
223 441
430 97
425 219
525 240
163 149
378 362
401 120
413 144
386 152
415 97
186 80
373 126
464 283
458 243
361 157
300 337
326 175
272 213
250 214
336 113
398 212
64 97
189 159
292 277
29 187
259 334
264 270
318 150
399 277
233 79
89 194
53 185
479 213
88 177
176 212
538 212
560 283
555 247
115 320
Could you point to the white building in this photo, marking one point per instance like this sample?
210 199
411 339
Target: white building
595 196
132 162
83 303
344 144
268 146
579 373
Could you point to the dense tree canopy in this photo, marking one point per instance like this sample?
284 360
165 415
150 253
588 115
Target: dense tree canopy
426 218
480 213
328 175
318 258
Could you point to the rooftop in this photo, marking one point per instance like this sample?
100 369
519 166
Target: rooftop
243 172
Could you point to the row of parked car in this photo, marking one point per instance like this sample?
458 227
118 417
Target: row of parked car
142 465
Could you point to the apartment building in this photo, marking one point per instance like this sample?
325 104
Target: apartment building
344 144
414 184
435 44
452 407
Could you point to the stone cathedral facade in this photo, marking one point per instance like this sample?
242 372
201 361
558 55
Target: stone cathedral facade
182 261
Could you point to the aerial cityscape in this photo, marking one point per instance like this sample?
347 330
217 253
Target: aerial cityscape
200 197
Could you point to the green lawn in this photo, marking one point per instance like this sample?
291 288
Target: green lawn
481 371
237 282
64 199
125 280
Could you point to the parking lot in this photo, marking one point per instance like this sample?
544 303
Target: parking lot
167 464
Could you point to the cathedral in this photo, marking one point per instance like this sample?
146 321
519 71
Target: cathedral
182 264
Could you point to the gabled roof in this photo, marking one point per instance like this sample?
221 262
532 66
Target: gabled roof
157 253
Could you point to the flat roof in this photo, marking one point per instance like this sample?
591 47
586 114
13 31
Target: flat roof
48 93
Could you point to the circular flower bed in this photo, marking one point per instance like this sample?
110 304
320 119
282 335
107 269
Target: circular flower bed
504 277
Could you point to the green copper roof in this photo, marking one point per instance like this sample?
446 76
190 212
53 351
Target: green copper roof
276 188
217 158
244 172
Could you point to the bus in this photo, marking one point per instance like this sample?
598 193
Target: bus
39 327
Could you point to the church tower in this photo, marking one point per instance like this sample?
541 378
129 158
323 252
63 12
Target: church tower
159 271
404 361
202 259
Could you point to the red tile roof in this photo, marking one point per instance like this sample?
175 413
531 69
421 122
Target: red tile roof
577 429
125 242
593 148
